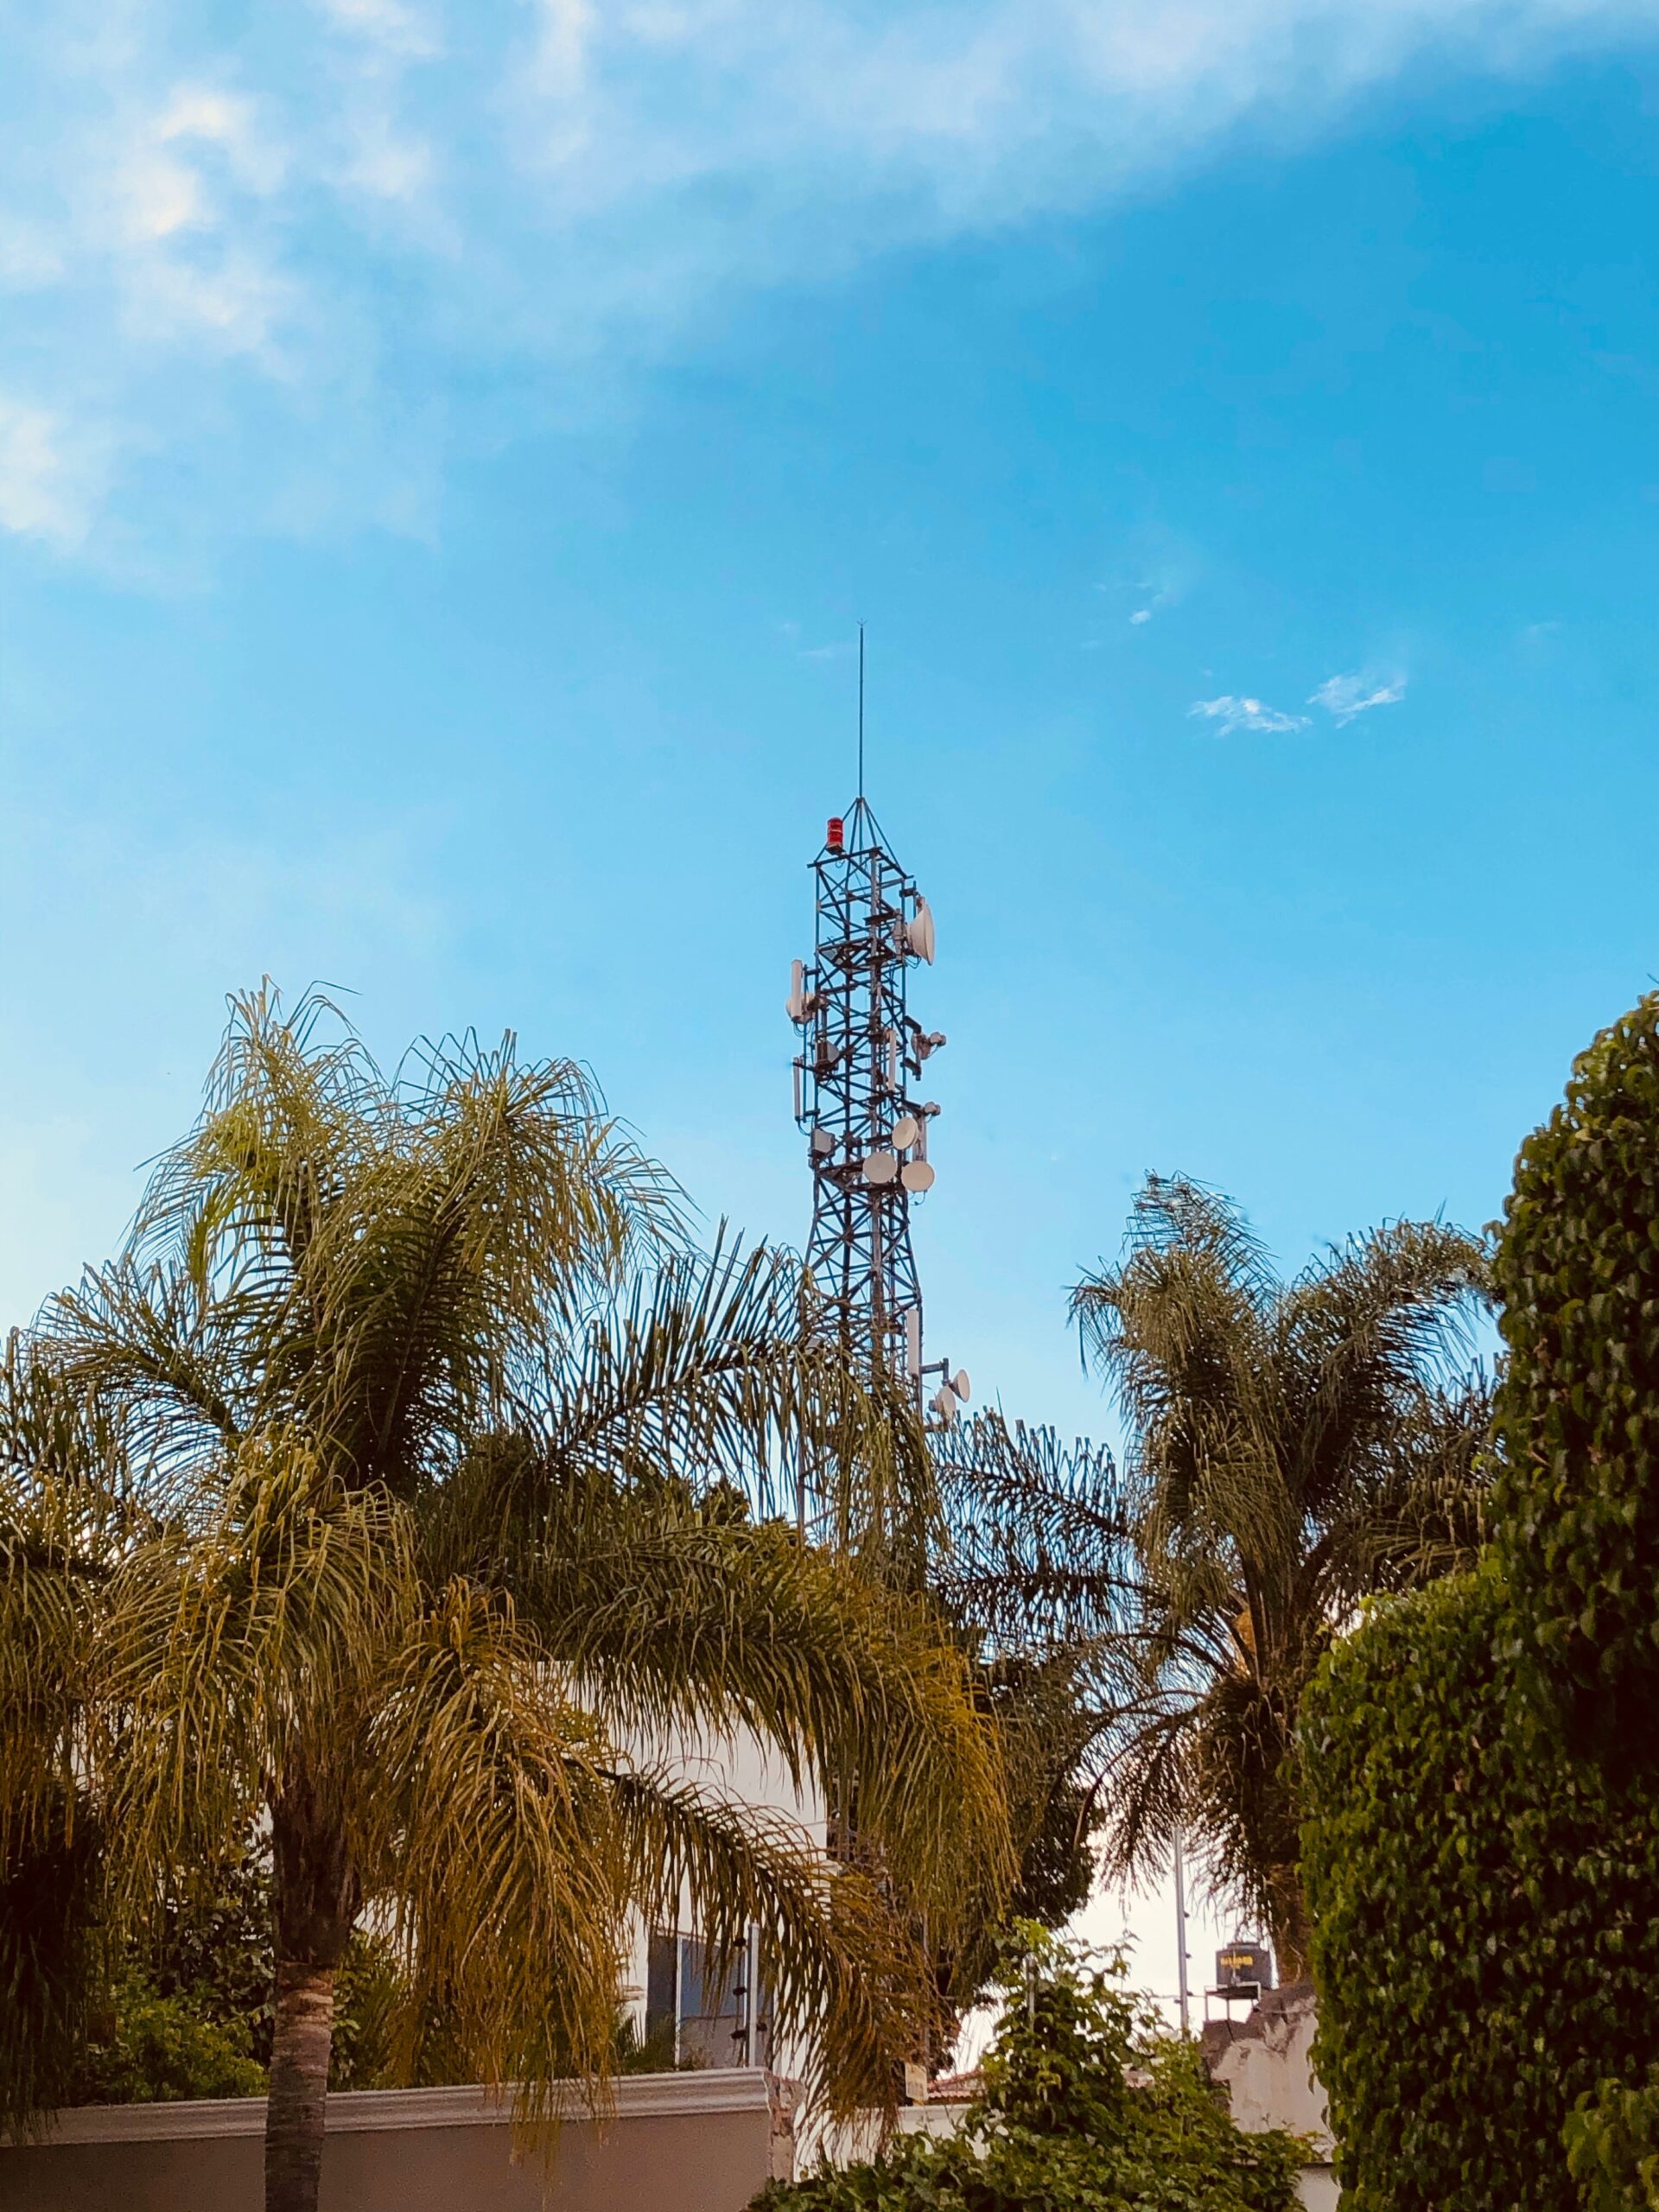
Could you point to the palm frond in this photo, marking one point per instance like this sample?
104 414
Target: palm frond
1144 1764
711 1371
1040 1533
61 1520
159 1360
231 1643
845 1975
685 1623
1294 1446
1179 1331
694 1373
1364 1336
1420 1511
494 1842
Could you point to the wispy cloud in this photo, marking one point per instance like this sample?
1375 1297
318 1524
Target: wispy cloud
1230 713
251 261
384 24
1155 592
51 474
1344 697
1156 569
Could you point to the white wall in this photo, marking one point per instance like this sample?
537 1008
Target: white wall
745 1770
1265 2063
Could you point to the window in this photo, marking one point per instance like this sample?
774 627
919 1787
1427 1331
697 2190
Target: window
663 1996
698 2004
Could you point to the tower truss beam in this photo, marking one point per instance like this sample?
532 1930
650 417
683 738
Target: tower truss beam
858 1081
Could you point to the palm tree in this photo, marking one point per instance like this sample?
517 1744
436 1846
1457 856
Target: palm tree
1295 1446
1030 1568
59 1530
447 1443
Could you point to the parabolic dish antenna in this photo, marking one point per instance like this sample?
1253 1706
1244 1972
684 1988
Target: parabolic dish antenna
916 1175
959 1384
919 930
905 1130
880 1166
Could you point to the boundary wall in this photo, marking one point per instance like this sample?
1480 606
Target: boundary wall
671 2143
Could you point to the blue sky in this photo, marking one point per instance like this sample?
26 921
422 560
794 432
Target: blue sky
444 454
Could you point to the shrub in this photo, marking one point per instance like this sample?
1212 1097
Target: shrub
189 2014
1577 1525
1085 2108
372 2000
151 2049
1485 1942
1612 2147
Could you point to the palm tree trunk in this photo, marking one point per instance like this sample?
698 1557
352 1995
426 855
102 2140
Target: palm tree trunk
299 2085
1289 1923
315 1893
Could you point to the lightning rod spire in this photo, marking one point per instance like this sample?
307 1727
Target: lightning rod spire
861 710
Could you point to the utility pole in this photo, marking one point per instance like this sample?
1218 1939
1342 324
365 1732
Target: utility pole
1181 1939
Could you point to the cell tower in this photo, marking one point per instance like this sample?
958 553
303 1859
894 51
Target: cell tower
857 1075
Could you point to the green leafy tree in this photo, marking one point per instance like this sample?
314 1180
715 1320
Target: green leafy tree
1086 2106
432 1414
1044 1729
1294 1446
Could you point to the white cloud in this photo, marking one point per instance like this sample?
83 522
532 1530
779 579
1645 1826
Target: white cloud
387 164
161 195
358 231
1230 713
163 181
1344 697
199 114
1154 568
385 23
235 306
566 38
50 475
29 254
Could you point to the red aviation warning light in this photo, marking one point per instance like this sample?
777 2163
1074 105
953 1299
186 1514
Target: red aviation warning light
836 836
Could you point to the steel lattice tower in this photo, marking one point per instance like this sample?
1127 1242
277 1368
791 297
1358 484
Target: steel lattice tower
856 1078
